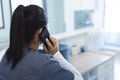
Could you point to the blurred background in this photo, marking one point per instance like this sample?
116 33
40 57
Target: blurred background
80 26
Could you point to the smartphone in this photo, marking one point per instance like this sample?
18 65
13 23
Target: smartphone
44 34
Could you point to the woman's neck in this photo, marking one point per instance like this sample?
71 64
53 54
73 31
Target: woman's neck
33 45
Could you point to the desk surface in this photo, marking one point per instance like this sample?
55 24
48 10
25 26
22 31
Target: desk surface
89 60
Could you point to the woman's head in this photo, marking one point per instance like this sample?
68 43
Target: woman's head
35 18
26 20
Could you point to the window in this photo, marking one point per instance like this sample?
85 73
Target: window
112 16
112 25
15 3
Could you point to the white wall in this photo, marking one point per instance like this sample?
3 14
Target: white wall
98 18
71 6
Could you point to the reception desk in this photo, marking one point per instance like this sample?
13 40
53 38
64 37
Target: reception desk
94 65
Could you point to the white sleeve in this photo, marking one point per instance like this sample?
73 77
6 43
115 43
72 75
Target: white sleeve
65 64
2 53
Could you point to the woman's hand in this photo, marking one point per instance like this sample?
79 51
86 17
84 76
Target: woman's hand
52 47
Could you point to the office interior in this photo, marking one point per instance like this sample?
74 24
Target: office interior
87 32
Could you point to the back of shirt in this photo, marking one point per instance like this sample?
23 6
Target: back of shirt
34 66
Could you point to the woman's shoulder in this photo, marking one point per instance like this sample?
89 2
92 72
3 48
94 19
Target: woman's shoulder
37 57
48 65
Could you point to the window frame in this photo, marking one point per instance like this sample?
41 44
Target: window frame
2 19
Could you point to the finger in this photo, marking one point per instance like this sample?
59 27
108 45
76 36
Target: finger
45 49
48 42
53 40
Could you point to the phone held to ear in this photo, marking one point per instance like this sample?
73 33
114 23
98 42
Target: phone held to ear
44 34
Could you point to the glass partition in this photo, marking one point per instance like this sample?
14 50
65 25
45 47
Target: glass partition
55 13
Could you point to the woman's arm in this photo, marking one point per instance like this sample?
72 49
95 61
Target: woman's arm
52 70
65 64
54 50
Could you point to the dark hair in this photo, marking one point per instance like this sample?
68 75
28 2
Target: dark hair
24 24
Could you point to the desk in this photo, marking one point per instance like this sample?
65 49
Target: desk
95 65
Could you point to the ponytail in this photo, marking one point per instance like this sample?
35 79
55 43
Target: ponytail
15 51
24 24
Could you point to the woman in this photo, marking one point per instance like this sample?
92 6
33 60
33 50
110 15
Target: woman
22 61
